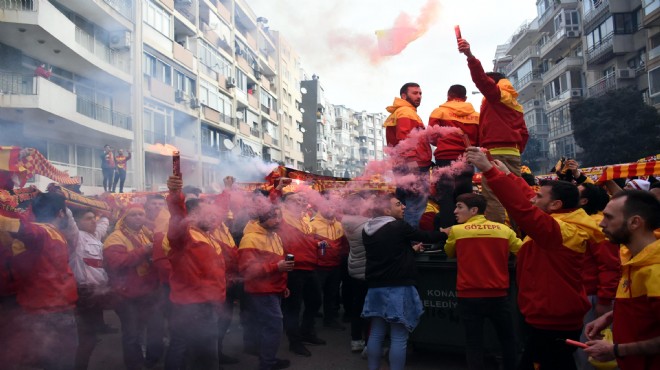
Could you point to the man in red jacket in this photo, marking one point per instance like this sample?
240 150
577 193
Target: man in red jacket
502 128
411 148
197 281
45 286
303 282
458 113
262 265
482 250
551 296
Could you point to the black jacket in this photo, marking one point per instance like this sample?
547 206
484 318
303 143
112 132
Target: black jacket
390 257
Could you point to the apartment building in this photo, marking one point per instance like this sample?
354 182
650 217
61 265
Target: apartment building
573 50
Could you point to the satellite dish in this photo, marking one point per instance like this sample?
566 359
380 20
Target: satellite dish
302 110
280 111
228 144
303 90
239 114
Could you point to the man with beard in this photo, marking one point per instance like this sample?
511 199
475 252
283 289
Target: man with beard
549 268
411 147
630 219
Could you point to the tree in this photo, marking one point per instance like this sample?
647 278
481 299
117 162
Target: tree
617 127
532 154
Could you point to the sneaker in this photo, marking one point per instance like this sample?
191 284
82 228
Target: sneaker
334 324
281 363
364 354
227 360
313 340
357 345
300 350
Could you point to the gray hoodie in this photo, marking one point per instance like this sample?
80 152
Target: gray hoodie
357 257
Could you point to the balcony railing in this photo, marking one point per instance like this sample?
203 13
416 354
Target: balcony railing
17 84
255 132
549 12
102 113
601 48
553 40
603 85
654 53
596 11
563 65
102 51
529 52
124 7
562 98
526 79
23 5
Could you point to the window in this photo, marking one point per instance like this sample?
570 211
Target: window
654 82
625 23
157 17
210 57
185 83
157 69
241 80
560 121
209 96
58 152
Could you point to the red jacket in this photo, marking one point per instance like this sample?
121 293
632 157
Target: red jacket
401 123
44 281
333 233
298 239
602 268
549 268
482 248
457 114
501 121
258 255
127 263
637 305
198 270
228 250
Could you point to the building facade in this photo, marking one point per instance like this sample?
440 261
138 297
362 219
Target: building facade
574 50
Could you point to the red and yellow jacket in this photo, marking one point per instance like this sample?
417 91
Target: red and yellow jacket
40 266
120 161
161 246
549 268
332 232
228 250
258 255
298 239
403 120
637 304
602 267
459 114
482 248
127 263
198 270
426 223
502 127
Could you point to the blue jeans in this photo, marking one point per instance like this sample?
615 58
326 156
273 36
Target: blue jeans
415 200
398 344
266 312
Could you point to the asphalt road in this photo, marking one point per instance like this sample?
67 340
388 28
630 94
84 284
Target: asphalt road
336 355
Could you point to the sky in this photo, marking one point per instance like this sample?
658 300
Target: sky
333 39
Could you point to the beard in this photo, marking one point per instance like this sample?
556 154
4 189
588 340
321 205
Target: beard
620 235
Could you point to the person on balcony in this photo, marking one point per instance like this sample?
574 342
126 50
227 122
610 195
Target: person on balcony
120 170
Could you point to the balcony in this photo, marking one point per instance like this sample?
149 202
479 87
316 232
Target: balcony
603 85
38 22
36 101
224 13
544 20
160 90
255 132
557 44
243 63
531 51
106 13
243 128
651 13
601 8
563 98
654 53
268 139
528 83
568 63
253 102
184 56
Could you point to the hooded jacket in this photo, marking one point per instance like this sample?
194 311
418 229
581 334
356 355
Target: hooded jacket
402 121
390 257
551 295
357 256
458 114
502 127
258 254
637 304
298 239
332 232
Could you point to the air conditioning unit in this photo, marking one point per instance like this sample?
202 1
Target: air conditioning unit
194 103
573 34
120 40
576 93
231 82
179 95
625 73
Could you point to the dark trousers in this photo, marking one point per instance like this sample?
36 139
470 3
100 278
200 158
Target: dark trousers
330 280
346 291
234 292
473 313
266 310
304 288
359 326
50 339
137 315
89 319
120 176
545 349
447 189
194 333
108 174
